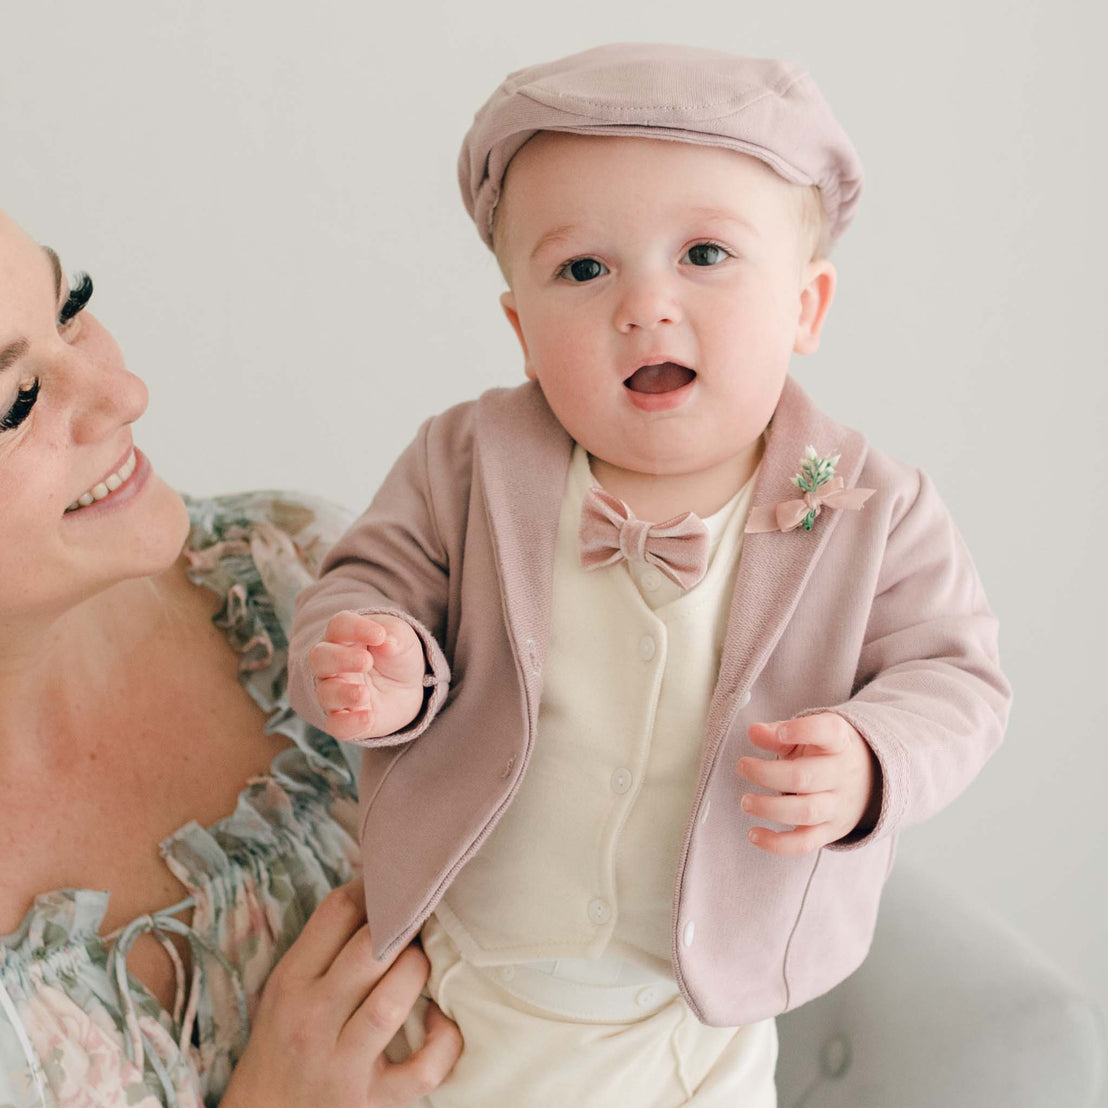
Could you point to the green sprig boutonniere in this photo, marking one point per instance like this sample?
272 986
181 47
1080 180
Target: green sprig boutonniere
821 489
814 471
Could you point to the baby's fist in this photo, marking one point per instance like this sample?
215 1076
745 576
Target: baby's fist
368 673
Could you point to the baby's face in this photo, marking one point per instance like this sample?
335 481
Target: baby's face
658 290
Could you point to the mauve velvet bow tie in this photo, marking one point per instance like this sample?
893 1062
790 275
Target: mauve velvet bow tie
610 531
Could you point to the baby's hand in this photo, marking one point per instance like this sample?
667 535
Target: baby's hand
828 777
368 674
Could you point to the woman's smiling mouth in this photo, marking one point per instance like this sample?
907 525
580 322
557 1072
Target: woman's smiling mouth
105 488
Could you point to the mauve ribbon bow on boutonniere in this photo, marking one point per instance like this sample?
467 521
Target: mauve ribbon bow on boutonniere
821 490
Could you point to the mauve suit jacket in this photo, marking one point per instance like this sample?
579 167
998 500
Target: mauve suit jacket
875 614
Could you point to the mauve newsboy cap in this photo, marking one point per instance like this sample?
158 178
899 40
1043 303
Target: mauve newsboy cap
760 106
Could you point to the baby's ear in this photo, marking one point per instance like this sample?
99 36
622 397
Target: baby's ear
816 295
508 303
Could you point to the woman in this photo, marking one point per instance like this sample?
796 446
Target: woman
167 825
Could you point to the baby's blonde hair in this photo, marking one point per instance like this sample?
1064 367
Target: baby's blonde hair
814 228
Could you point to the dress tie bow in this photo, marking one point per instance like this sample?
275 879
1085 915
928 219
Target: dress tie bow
610 532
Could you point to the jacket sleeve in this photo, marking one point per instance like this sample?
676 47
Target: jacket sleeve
391 561
930 697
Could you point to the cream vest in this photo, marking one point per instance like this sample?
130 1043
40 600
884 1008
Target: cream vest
583 861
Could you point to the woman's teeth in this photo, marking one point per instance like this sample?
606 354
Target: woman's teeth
107 486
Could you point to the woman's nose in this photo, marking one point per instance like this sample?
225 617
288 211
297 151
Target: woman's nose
646 301
104 394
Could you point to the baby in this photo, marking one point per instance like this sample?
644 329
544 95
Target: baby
650 658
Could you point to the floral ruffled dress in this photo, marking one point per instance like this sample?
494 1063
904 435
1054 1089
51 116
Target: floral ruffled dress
76 1031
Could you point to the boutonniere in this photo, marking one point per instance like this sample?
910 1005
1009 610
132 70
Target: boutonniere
821 488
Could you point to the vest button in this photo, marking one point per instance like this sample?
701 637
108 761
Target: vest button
621 781
646 648
744 700
687 934
599 911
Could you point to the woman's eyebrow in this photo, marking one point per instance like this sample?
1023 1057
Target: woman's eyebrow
56 263
11 353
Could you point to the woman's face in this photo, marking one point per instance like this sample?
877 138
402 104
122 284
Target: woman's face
80 510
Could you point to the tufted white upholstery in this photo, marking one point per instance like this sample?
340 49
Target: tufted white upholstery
951 1009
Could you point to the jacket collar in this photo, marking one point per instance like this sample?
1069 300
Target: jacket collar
523 457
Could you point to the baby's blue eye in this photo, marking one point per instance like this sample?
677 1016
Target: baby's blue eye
705 253
582 270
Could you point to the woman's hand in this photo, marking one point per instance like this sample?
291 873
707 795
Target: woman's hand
326 1015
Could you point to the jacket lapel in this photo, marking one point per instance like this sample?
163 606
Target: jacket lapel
523 459
775 566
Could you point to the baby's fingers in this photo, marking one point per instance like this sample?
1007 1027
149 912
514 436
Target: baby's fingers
328 659
354 629
340 694
801 840
797 775
346 726
794 811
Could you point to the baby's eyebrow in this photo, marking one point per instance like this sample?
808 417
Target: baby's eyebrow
554 235
726 216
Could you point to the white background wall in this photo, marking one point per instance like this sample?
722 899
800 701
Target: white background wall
265 195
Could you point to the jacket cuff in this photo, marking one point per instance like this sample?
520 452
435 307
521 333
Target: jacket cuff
436 681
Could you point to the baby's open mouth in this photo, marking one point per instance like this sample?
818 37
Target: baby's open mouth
666 377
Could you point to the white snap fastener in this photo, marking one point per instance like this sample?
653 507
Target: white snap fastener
621 781
650 579
646 648
704 812
599 912
645 997
687 935
507 973
744 700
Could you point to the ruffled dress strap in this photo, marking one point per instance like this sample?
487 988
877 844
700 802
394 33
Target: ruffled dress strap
257 550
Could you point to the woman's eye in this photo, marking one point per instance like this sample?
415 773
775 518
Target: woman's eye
705 253
21 409
79 296
582 270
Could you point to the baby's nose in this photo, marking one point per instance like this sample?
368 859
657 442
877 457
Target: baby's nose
646 303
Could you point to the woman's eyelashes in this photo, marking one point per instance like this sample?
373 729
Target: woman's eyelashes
21 409
79 295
